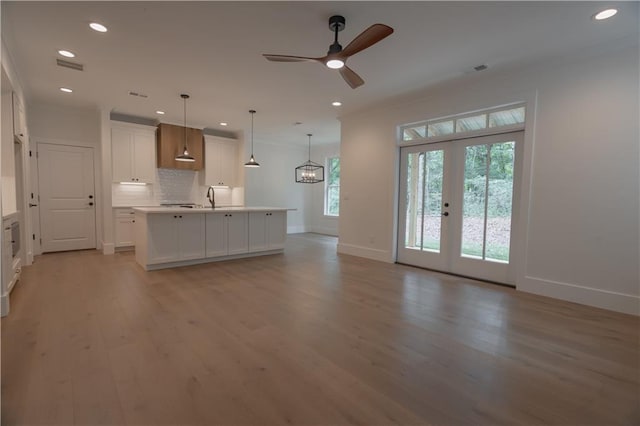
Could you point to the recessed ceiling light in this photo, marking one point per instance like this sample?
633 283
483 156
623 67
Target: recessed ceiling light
160 112
336 103
223 123
98 27
66 90
67 53
608 13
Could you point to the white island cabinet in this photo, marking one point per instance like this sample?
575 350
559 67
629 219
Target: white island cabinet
267 230
169 237
227 233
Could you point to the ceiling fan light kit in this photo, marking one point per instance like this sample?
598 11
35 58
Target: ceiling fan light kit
185 156
336 57
309 171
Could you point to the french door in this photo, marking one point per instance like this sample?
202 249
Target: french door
458 204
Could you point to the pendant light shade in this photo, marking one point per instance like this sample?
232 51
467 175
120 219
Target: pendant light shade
252 161
185 156
309 172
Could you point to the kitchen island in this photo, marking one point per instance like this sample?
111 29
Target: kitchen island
167 237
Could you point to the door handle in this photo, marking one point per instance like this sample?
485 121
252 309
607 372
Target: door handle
90 196
90 204
445 214
33 205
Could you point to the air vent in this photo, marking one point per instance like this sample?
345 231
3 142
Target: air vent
69 64
140 95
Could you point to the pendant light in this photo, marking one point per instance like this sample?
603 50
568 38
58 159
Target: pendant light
309 172
185 156
252 161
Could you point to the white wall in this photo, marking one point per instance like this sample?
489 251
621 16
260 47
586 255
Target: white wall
582 236
273 184
64 123
318 221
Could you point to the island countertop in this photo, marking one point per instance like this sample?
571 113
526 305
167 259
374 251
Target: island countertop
206 209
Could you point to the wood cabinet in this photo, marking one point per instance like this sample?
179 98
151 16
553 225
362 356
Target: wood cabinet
227 233
124 223
133 153
19 120
171 144
175 237
267 230
220 161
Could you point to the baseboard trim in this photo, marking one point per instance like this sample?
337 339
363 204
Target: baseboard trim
108 248
324 231
300 229
613 301
4 305
369 253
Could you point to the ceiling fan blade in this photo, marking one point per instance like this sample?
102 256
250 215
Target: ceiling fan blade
287 58
366 39
350 76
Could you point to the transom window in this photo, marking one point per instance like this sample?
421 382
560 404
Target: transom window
490 119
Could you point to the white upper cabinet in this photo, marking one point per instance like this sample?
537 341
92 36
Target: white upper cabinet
19 120
133 153
220 161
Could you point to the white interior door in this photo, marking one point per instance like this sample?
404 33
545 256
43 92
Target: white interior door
457 206
67 197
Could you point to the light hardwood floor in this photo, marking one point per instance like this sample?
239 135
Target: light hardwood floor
308 337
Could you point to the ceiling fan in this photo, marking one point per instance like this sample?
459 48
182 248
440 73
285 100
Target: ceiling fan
337 56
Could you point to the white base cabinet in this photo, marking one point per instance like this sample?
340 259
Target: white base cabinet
175 237
227 233
267 230
124 223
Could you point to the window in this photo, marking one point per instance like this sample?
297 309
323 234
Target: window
463 123
332 187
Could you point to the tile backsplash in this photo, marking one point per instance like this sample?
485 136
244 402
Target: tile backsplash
173 186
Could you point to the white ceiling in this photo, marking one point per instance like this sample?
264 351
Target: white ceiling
212 50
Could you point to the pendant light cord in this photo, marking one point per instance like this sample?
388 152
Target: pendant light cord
252 114
185 97
309 134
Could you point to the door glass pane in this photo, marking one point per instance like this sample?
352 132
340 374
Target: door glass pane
499 201
424 200
487 201
473 203
433 201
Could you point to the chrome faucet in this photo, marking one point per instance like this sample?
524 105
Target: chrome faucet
211 196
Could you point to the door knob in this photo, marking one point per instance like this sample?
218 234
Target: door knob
33 205
90 196
445 214
90 204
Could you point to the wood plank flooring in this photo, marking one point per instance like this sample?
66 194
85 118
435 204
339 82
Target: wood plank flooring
308 337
